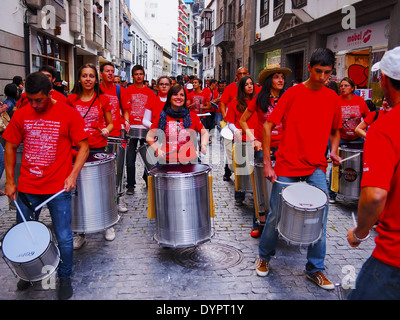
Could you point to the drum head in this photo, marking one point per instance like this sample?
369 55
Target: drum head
304 196
96 158
18 245
352 147
227 133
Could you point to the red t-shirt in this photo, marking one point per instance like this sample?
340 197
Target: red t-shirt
135 101
233 116
198 98
48 138
262 117
307 117
59 97
353 111
111 94
155 105
95 115
381 169
178 138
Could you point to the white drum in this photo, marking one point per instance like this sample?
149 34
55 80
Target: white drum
32 260
302 213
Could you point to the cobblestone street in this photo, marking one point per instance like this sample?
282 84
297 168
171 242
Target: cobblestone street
134 266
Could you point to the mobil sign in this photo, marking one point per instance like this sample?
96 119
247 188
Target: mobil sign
374 34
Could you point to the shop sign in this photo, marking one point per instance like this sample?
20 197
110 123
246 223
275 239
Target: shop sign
371 35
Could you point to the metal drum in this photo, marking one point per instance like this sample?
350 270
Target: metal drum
350 171
242 154
33 259
182 204
137 131
148 157
302 213
117 146
262 187
94 201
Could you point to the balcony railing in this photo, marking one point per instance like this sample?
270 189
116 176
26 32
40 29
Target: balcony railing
206 37
107 36
225 34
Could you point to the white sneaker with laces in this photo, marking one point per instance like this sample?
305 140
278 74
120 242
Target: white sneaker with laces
109 234
79 241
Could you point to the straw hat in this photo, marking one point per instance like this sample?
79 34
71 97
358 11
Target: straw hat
270 70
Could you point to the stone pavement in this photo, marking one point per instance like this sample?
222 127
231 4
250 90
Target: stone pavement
134 266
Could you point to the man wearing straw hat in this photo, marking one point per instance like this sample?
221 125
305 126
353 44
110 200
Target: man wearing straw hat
48 130
310 115
379 277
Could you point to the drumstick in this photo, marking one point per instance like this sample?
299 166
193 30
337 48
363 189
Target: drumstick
353 156
281 182
49 199
23 219
354 219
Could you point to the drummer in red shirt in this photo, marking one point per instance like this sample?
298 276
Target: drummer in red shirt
272 79
379 277
115 93
198 100
134 106
301 155
95 110
236 108
354 109
48 129
176 129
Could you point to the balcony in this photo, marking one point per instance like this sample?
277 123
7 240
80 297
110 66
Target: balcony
197 50
107 36
206 37
97 32
225 34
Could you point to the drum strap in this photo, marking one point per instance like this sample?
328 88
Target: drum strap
89 107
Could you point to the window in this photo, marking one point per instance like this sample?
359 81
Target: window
279 9
241 10
264 13
297 4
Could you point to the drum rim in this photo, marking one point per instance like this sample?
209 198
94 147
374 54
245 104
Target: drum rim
110 157
38 257
208 169
302 208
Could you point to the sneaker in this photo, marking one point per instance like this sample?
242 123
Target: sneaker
130 190
109 234
226 178
65 289
332 200
23 284
122 208
238 202
262 267
255 233
79 241
320 279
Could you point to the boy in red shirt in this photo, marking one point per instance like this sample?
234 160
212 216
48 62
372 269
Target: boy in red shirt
379 277
136 98
48 130
310 114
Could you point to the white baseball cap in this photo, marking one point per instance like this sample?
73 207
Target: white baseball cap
390 64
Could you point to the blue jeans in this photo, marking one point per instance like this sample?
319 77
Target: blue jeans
131 154
376 281
270 235
60 211
218 118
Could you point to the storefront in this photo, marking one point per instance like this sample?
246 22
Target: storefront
356 52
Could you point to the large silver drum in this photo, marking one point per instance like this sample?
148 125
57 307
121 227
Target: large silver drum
33 259
182 204
117 146
243 154
137 131
94 201
302 213
350 171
